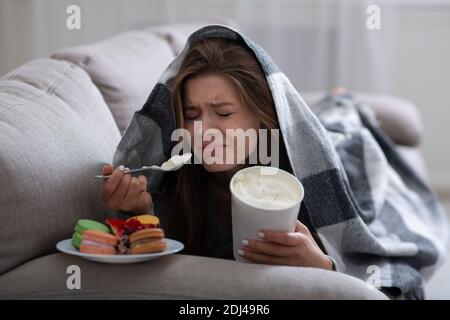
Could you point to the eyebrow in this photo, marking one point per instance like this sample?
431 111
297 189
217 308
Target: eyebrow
211 104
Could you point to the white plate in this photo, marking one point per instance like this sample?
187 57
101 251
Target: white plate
66 246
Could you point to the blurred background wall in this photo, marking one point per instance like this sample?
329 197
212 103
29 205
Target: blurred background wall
318 43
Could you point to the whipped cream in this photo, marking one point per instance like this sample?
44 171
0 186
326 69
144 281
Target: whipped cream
268 191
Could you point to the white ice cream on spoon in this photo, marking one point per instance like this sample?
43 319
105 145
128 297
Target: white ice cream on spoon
176 161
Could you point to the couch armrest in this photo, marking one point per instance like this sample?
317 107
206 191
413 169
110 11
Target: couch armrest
179 277
399 118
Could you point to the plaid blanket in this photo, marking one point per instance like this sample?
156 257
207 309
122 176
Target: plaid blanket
374 215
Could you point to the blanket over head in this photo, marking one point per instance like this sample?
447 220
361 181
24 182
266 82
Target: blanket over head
374 215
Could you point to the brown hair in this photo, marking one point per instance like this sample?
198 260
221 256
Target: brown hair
232 60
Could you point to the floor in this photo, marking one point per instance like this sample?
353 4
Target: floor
439 286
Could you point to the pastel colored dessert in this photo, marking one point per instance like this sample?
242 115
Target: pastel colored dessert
146 219
147 241
123 228
98 242
86 224
120 227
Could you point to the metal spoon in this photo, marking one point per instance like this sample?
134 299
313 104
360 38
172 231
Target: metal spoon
173 164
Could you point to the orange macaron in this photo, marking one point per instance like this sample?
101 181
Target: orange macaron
147 241
98 242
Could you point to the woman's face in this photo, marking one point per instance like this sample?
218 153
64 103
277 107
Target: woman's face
214 102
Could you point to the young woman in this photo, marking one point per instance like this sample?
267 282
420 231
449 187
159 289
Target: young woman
221 84
360 195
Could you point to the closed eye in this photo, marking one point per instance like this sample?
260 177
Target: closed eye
191 117
191 113
224 115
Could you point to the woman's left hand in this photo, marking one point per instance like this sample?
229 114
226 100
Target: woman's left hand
296 248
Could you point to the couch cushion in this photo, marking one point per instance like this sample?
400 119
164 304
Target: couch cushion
56 132
125 68
179 277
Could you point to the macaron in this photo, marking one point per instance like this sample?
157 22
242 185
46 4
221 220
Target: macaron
83 225
98 242
76 240
147 241
146 219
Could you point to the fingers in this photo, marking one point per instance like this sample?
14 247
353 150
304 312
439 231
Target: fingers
263 258
123 192
268 248
144 202
288 239
115 201
132 195
136 187
286 248
300 227
110 185
143 183
107 169
285 238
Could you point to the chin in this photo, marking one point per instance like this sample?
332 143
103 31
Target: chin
218 167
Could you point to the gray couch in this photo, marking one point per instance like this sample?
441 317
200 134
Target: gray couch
60 121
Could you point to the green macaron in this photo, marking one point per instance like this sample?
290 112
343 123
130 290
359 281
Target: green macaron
86 224
76 240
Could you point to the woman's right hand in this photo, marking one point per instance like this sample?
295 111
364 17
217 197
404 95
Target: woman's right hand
123 192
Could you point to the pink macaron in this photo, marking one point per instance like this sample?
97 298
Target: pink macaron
98 242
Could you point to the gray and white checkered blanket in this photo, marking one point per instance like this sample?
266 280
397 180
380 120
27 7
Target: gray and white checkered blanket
374 215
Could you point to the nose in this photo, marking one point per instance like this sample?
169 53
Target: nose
207 122
208 130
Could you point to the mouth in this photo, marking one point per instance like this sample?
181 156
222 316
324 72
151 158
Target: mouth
212 146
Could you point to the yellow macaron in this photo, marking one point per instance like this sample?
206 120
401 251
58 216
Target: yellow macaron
146 219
